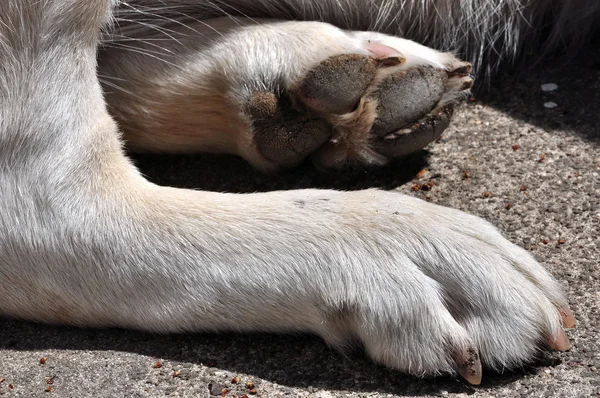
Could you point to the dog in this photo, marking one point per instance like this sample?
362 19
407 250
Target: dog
85 240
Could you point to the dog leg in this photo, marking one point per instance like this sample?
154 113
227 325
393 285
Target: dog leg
85 240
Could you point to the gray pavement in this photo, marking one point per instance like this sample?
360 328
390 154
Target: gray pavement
540 167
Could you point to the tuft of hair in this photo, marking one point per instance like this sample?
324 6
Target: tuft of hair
488 33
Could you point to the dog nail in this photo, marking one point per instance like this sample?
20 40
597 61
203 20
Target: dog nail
568 319
469 366
467 83
462 70
561 342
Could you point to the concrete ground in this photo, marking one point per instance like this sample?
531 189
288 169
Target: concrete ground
529 169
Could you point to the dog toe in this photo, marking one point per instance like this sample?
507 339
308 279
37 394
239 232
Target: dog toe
337 84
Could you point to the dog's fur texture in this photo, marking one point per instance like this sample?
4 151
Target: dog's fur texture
85 240
488 33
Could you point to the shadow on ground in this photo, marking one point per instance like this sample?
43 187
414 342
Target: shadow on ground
519 94
288 360
231 174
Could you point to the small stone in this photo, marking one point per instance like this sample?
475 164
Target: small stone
216 389
428 185
549 86
421 173
550 105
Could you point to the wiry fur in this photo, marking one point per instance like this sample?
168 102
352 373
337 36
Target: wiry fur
487 33
85 240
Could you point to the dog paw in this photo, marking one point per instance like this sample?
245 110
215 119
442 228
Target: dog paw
358 108
277 93
446 294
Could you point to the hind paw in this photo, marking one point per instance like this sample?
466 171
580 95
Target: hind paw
356 107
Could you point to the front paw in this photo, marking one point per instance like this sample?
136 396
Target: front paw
447 293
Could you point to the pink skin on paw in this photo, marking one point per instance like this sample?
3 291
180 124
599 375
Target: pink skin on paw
381 51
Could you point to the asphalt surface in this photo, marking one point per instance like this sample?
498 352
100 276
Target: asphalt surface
533 171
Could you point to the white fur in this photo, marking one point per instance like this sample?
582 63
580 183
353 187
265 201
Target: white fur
85 240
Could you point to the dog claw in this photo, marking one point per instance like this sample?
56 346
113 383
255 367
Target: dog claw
561 342
469 366
467 83
568 319
464 69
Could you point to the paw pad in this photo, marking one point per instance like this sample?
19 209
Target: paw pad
353 107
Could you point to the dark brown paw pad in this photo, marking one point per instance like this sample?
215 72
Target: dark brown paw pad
282 134
417 135
357 108
336 84
407 96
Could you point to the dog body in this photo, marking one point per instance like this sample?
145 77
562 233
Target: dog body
85 240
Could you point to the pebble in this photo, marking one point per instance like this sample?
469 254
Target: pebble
216 388
550 104
549 87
